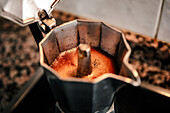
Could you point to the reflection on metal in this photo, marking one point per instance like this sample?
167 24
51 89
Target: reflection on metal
84 60
81 95
156 89
24 12
47 21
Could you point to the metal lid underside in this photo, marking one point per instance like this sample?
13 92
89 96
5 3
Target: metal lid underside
24 12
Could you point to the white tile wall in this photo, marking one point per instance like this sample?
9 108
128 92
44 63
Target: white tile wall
164 30
135 15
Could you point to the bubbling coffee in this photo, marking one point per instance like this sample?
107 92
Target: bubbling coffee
66 64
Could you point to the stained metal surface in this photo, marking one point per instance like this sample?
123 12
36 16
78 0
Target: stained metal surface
80 95
24 12
84 60
65 37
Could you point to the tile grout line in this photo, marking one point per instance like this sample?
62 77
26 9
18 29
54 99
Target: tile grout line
158 20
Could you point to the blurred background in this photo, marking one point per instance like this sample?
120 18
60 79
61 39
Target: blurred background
141 16
145 23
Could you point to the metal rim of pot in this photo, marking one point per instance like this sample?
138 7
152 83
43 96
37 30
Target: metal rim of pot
134 81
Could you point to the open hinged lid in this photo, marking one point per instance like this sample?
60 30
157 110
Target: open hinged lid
24 12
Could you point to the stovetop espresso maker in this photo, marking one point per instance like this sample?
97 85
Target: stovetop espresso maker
75 95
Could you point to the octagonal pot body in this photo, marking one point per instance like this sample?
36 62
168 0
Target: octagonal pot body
76 95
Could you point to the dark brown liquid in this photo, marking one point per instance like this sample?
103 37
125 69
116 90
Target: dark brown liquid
66 63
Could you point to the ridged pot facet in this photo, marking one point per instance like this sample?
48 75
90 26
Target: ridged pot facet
76 95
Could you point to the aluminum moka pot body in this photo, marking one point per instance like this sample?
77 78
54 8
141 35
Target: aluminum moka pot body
76 95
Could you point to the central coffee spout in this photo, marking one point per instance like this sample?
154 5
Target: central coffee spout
84 60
